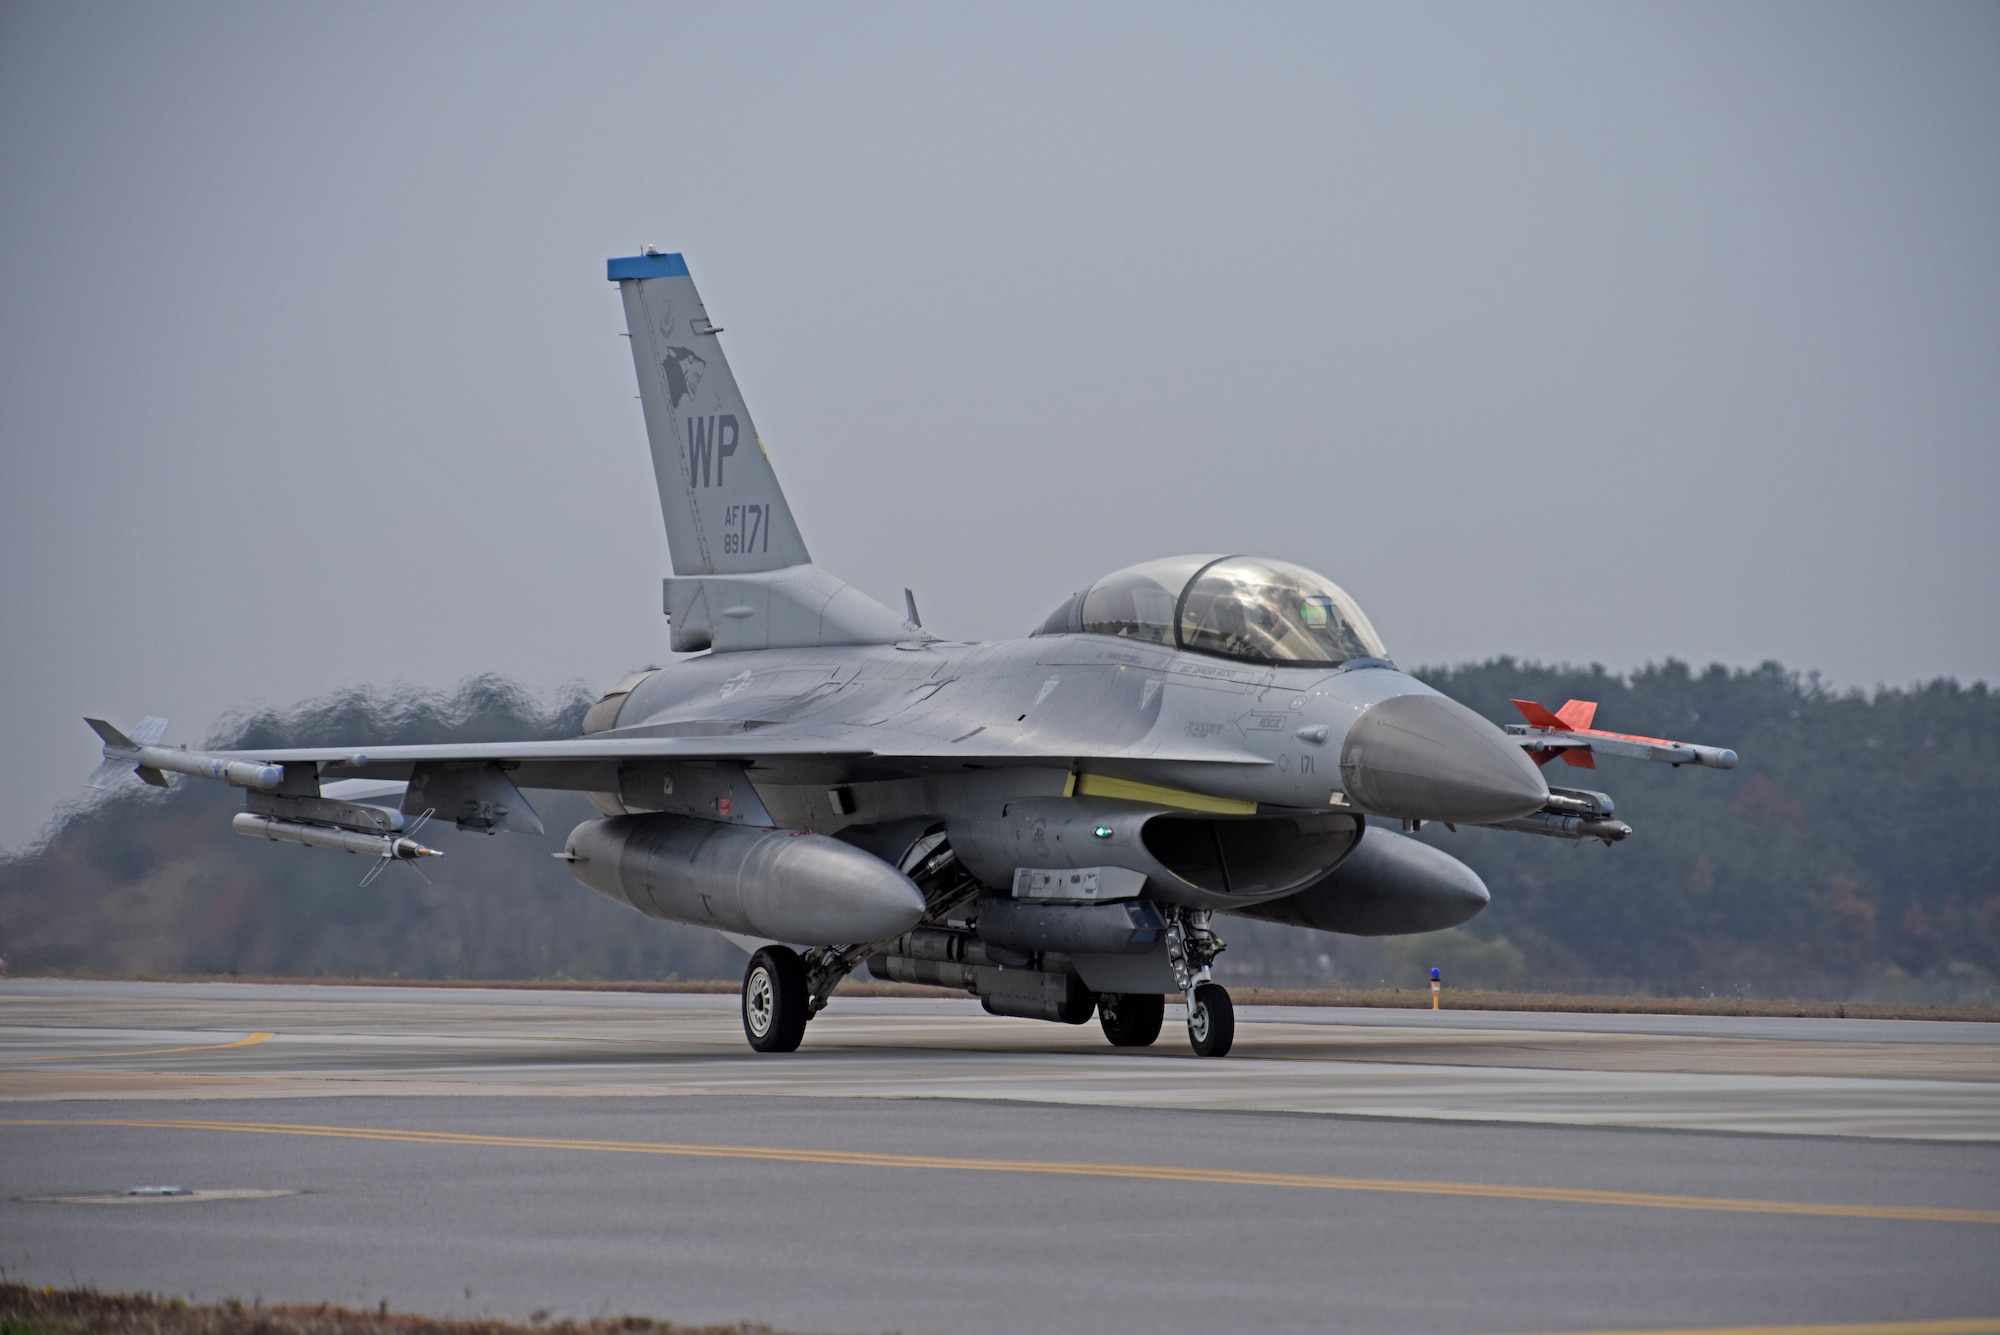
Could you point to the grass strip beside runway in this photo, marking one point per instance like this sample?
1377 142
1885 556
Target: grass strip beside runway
51 1311
1058 1168
27 1310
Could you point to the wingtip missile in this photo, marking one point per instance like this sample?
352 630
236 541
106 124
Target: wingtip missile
152 763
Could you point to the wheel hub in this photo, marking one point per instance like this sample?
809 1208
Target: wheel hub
760 1005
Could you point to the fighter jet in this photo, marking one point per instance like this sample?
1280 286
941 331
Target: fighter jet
1057 824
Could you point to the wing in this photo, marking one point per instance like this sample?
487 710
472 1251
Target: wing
593 762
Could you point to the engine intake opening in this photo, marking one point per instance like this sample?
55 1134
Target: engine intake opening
1250 855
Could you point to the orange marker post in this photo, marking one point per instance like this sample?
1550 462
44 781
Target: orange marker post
1437 985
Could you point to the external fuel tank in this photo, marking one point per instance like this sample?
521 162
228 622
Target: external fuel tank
786 885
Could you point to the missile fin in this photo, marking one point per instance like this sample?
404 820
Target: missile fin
1540 717
107 773
1578 714
153 776
110 735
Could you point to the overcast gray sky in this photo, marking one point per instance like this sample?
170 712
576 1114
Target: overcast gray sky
1579 332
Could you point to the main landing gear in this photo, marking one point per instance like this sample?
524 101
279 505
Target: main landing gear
1131 1019
776 1001
783 990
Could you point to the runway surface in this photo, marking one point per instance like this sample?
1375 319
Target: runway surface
920 1166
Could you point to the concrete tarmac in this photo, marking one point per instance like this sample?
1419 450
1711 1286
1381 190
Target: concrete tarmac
920 1166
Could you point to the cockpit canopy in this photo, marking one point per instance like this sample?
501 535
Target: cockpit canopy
1234 606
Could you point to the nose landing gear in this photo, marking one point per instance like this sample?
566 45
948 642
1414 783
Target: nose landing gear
1191 949
1211 1020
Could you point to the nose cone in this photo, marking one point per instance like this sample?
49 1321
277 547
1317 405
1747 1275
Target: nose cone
1423 757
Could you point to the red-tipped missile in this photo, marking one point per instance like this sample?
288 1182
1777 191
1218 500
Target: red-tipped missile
1567 733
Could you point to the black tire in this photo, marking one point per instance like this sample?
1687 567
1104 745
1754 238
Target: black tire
1131 1019
1211 1021
774 1000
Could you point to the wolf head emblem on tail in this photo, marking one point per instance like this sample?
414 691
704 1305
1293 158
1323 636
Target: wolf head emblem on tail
683 370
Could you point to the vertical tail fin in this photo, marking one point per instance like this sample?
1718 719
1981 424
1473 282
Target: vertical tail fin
724 512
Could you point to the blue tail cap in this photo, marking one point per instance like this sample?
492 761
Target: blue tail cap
646 266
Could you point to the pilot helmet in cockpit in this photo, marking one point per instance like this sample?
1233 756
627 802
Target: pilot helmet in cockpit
1239 607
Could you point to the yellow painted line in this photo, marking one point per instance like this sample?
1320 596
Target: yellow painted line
1057 1168
1971 1325
249 1042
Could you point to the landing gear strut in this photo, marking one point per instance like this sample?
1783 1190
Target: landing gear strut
783 989
826 966
1191 949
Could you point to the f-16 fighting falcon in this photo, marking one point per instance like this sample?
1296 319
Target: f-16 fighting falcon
1056 824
